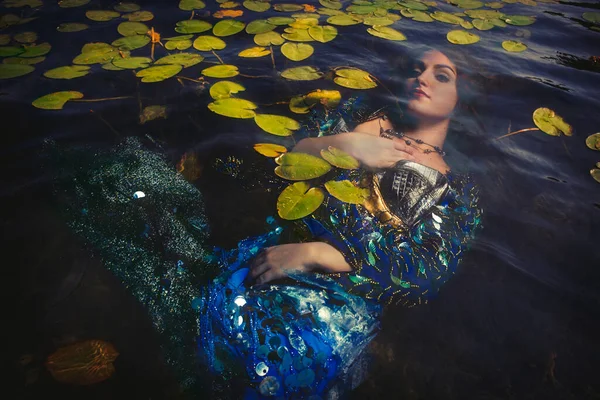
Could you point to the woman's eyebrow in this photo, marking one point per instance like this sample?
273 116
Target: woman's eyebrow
445 66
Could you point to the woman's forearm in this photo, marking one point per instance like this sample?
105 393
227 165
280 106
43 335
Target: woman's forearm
314 145
327 258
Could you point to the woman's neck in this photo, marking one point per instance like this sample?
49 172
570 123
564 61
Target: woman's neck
430 132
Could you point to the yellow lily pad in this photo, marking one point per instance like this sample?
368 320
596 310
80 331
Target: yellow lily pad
361 9
233 107
140 16
228 27
591 16
8 71
447 18
192 26
127 7
259 26
72 3
305 73
229 4
26 37
132 28
221 71
329 98
23 61
68 72
462 37
102 15
257 6
414 5
208 43
595 173
270 149
416 15
484 14
354 79
347 191
518 20
343 20
339 158
593 141
158 73
323 34
299 166
131 42
513 46
299 200
385 32
381 21
189 5
287 7
4 39
280 20
297 51
269 39
483 24
36 50
297 35
276 124
56 101
254 52
332 4
551 123
224 89
68 27
184 59
298 105
304 23
132 62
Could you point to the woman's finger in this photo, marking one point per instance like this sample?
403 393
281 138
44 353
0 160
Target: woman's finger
258 269
268 276
401 145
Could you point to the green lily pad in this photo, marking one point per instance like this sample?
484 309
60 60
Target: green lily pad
462 37
385 32
158 73
466 25
298 105
96 53
208 43
354 79
184 59
299 200
192 26
132 28
11 19
36 50
270 149
21 3
8 71
228 4
468 4
381 21
4 39
102 15
132 62
151 113
446 17
276 124
9 51
182 44
111 67
189 5
323 34
224 89
495 4
297 35
257 6
299 166
550 123
518 20
513 46
304 23
413 5
269 39
297 51
280 20
332 4
23 61
339 158
484 14
343 20
595 173
140 16
131 42
233 107
592 16
127 7
259 26
498 22
417 15
72 3
305 73
26 37
228 27
593 141
68 72
56 101
72 27
286 7
221 71
482 24
254 52
361 10
347 191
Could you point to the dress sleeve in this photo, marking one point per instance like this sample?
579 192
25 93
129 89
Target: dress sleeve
407 267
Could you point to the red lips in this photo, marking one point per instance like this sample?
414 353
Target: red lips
420 92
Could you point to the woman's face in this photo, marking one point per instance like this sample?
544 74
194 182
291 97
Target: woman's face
431 87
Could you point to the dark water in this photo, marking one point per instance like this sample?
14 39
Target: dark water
520 320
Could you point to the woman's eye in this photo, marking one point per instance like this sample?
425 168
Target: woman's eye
442 78
415 72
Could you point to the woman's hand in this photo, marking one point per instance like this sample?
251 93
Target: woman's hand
373 151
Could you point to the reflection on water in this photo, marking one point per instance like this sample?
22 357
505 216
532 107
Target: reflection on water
519 320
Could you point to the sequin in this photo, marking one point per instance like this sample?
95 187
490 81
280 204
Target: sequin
261 369
269 386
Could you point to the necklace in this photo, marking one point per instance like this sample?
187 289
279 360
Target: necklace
392 133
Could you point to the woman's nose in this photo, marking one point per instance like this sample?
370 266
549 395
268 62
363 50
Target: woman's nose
422 79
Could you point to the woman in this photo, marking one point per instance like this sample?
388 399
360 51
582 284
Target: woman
298 316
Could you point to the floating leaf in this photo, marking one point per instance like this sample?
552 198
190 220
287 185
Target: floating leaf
482 24
23 61
259 26
329 98
339 158
131 42
300 166
592 16
347 191
354 79
189 5
68 72
9 51
298 105
72 27
192 26
385 32
484 14
593 141
270 149
495 4
468 4
96 53
357 9
548 122
286 7
268 39
466 25
343 20
208 43
36 50
462 37
229 4
304 23
127 7
276 124
179 44
132 62
140 16
224 89
513 46
72 3
228 27
183 59
257 6
305 73
414 5
595 173
446 17
381 21
297 51
334 5
323 34
25 37
158 73
4 39
417 15
299 200
518 20
21 3
132 28
150 113
297 35
233 107
83 363
281 20
55 101
221 71
254 52
228 13
8 71
102 15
